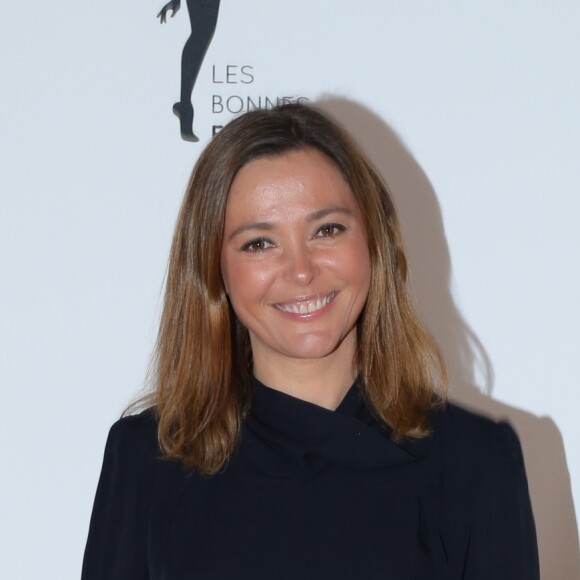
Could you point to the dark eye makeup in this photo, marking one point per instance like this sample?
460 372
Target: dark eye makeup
260 244
329 230
256 245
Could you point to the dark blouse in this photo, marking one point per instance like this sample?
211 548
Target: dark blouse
317 494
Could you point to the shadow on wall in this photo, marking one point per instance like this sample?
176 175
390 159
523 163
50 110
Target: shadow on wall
470 369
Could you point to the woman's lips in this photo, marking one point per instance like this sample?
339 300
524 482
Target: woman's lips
305 307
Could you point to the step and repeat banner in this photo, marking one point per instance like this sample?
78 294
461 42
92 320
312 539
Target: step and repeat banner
469 110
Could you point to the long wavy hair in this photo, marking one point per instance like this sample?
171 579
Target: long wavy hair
202 364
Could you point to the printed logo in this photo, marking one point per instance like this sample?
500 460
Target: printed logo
233 83
203 15
235 91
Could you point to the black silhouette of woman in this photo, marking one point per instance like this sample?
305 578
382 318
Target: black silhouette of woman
203 16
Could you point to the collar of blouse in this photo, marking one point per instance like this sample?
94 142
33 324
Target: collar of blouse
292 435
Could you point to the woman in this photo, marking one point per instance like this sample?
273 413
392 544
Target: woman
297 428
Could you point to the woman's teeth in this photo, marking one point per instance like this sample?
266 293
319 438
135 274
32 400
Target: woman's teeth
307 306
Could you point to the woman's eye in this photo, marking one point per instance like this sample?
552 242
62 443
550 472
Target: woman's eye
329 230
257 245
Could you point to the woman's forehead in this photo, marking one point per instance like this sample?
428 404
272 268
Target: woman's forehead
303 180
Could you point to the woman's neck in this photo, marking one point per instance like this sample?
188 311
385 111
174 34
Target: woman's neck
324 381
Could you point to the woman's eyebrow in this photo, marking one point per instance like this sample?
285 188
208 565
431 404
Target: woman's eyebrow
259 226
327 211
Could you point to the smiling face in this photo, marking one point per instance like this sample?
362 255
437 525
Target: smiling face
295 261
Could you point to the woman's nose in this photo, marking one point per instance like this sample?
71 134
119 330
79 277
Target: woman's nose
300 266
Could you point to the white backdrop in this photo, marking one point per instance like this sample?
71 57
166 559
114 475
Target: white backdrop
469 109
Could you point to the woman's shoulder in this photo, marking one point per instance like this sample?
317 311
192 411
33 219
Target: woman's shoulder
139 424
466 432
134 437
458 419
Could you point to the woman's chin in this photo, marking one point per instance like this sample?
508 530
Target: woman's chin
316 347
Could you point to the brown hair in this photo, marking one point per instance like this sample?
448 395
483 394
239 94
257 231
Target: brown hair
202 363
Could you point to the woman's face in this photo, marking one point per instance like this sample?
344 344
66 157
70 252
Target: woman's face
295 260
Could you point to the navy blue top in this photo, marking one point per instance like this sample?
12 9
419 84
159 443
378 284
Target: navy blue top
317 494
